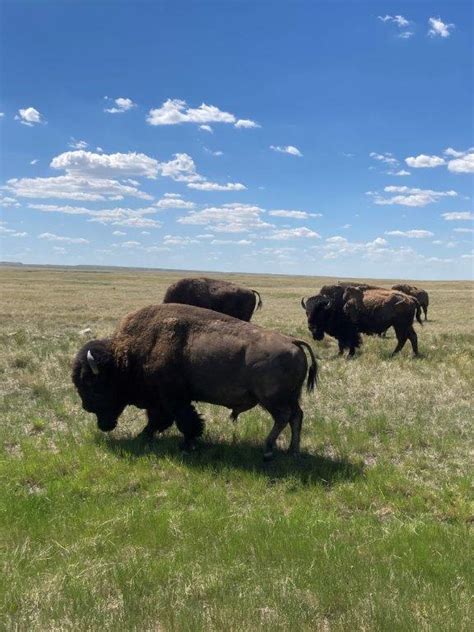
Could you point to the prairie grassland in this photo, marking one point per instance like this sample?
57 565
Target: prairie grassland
368 530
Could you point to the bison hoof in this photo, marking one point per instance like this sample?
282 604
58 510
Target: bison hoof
187 446
268 456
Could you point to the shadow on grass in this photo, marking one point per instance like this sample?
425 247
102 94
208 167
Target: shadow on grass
219 456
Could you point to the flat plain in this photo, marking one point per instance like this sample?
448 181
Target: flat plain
368 530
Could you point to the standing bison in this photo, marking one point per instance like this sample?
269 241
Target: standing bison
164 357
370 311
420 295
220 296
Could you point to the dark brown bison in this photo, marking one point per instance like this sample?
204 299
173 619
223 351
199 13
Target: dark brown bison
420 295
220 296
164 357
346 317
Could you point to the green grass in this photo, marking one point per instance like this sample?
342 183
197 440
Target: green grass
368 530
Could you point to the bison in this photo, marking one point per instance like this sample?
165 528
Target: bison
420 295
370 311
220 296
164 357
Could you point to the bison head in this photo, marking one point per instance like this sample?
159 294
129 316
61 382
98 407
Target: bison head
318 312
353 302
96 378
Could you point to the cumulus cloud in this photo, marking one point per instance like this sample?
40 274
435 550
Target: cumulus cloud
72 187
424 162
239 242
376 250
119 233
176 111
410 196
87 163
462 162
29 116
288 149
245 124
213 186
174 200
11 232
228 218
401 172
463 230
411 234
206 128
386 158
213 153
69 240
458 216
294 233
118 216
121 105
34 162
294 214
178 240
438 28
181 169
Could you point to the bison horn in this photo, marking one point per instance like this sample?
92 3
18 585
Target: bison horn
92 363
303 304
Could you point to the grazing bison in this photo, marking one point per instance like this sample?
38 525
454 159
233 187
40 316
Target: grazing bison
220 296
420 295
164 357
370 311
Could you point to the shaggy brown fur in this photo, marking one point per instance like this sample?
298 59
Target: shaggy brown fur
374 311
163 357
220 296
420 295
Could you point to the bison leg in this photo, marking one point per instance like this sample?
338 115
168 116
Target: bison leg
402 337
190 424
351 352
425 309
296 421
341 348
158 421
414 340
281 417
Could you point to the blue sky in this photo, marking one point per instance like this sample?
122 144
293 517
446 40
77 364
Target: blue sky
325 138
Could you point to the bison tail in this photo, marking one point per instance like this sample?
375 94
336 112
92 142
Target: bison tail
313 369
258 300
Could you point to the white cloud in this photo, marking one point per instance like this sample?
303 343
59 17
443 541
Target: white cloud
468 256
386 157
71 187
406 34
121 105
294 214
463 230
181 169
228 218
294 233
175 111
246 124
29 116
7 201
178 240
60 250
458 216
463 164
11 232
132 218
411 234
69 240
240 242
410 196
119 233
78 144
399 20
206 128
87 163
289 149
2 114
213 186
170 200
401 172
424 162
438 28
34 162
213 153
129 244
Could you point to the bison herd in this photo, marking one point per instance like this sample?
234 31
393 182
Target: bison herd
199 346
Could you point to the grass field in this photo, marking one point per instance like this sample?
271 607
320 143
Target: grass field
368 530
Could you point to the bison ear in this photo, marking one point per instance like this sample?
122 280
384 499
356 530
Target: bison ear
303 304
92 363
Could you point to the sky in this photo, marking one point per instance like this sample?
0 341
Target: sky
297 137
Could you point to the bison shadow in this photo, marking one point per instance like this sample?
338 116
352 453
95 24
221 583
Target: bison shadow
219 456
